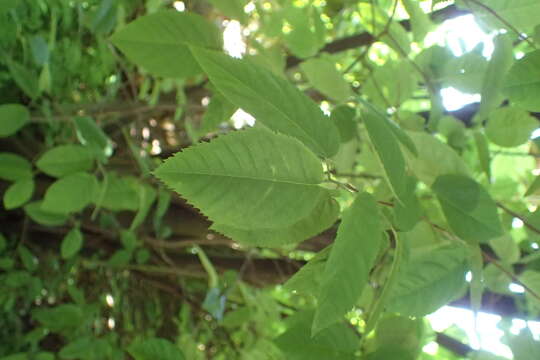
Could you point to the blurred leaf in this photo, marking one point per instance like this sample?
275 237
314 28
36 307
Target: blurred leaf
72 243
18 193
24 78
40 50
36 213
64 160
92 136
306 35
14 167
232 8
155 349
344 118
510 126
322 74
70 194
12 118
420 22
522 83
524 346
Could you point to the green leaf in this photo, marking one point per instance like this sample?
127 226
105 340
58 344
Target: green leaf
219 110
70 194
86 348
28 259
36 213
307 30
510 126
482 148
25 79
92 136
398 337
336 342
18 193
506 248
65 317
434 159
388 152
522 83
533 187
420 22
321 218
12 118
14 167
232 8
248 179
517 14
468 208
391 84
159 42
322 74
524 346
72 243
308 279
466 73
344 118
273 101
65 160
353 255
500 62
431 278
155 349
40 50
121 193
147 196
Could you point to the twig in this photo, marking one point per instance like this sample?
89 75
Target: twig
526 223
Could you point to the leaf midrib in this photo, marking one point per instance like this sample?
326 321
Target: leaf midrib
240 177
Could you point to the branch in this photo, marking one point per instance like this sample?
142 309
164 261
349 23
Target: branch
365 38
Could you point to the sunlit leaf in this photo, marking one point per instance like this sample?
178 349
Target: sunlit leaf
12 118
243 180
273 101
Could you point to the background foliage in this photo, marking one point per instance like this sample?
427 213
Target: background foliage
354 207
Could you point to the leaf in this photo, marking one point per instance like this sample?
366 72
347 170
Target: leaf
466 73
344 118
510 126
70 194
391 84
501 60
307 280
36 213
533 187
14 167
524 346
323 216
336 342
92 136
232 8
65 160
388 152
420 22
398 337
520 14
468 208
72 243
25 79
408 212
322 74
86 348
12 118
522 83
159 42
18 193
430 279
353 255
434 159
64 317
219 110
306 35
247 179
273 101
147 196
28 259
155 349
506 248
482 149
120 193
